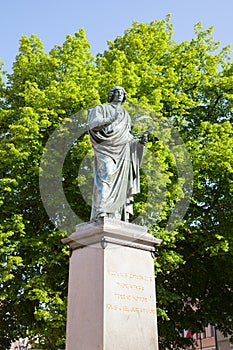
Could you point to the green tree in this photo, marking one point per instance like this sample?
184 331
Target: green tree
187 89
43 90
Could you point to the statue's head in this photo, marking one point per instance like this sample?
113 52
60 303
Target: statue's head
112 93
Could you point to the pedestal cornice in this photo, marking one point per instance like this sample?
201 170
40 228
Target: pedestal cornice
116 232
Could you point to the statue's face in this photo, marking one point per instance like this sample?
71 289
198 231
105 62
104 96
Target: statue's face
118 95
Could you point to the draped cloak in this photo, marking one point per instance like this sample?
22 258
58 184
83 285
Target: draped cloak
117 158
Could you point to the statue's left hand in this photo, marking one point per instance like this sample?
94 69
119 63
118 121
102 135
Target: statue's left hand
144 139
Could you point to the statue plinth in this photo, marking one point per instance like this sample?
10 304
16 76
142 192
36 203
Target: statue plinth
111 296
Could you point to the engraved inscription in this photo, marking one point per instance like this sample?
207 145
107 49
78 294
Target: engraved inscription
131 298
130 309
131 293
130 286
131 276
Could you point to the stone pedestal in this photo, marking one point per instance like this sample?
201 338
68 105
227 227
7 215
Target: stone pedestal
111 296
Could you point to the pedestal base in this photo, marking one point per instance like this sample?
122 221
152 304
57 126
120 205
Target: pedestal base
111 301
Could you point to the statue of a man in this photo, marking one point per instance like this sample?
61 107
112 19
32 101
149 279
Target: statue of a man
117 158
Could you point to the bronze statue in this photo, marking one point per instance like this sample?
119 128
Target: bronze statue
117 158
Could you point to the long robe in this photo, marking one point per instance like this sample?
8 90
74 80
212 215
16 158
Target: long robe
117 158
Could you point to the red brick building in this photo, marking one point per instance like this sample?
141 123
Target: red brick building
209 340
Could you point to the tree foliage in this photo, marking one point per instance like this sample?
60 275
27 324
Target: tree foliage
187 88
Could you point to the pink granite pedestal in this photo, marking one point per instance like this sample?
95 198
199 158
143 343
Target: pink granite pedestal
111 295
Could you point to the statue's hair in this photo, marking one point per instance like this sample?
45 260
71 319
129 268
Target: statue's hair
112 91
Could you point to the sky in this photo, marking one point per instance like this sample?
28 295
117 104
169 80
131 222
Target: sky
52 20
